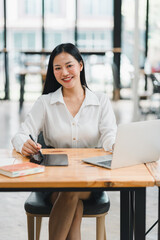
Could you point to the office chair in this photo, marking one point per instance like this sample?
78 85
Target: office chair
37 207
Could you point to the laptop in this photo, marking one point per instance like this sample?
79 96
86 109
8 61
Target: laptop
136 143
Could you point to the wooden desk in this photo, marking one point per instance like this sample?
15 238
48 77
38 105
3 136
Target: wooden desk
154 169
78 176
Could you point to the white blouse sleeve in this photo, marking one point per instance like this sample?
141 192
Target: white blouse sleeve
107 126
32 125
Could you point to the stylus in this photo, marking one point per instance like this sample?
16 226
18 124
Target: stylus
36 144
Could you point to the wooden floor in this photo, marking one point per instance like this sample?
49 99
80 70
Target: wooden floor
12 215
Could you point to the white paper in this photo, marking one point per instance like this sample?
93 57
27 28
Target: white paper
7 161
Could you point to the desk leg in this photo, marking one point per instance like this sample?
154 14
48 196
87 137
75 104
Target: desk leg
126 223
159 213
140 214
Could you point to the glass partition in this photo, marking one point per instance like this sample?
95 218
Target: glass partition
127 57
95 33
58 22
128 28
154 36
95 24
24 26
1 25
2 77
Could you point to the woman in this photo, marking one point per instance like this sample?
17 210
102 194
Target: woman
70 116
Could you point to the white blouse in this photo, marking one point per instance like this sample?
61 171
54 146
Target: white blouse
93 126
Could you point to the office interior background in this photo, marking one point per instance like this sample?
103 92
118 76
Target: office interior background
120 44
104 30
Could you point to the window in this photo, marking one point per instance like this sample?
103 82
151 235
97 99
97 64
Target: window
53 39
95 39
96 7
24 40
1 39
29 7
53 7
59 22
30 38
95 24
18 41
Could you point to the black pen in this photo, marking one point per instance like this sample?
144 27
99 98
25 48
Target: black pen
36 144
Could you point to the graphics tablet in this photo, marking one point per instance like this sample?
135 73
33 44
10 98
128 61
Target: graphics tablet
50 159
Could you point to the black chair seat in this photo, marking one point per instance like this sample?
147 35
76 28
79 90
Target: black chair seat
36 203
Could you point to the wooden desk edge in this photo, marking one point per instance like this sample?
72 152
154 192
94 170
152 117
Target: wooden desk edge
81 185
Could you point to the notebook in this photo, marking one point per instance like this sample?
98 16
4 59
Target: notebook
21 169
136 143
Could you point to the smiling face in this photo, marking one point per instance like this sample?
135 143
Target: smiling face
67 70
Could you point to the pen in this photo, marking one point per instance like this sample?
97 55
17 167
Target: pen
36 144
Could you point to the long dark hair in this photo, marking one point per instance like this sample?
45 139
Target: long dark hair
51 84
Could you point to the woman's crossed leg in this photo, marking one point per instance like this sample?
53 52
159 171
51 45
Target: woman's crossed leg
66 215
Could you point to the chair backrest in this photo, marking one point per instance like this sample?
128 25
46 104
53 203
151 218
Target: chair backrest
41 140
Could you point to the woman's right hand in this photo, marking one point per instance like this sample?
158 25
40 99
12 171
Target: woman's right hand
30 148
